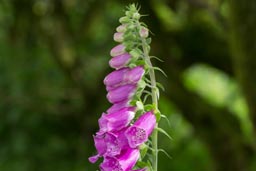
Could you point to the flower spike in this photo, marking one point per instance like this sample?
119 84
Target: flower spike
127 125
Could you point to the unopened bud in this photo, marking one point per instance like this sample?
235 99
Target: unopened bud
136 15
124 20
121 28
118 37
143 32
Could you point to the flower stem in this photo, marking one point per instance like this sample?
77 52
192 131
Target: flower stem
154 96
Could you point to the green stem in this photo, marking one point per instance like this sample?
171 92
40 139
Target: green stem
154 101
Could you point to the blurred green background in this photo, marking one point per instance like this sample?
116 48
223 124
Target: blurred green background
54 56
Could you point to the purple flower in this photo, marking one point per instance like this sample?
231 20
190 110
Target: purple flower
117 106
100 145
117 50
115 77
117 120
123 162
123 76
120 61
109 144
134 74
121 93
115 141
139 132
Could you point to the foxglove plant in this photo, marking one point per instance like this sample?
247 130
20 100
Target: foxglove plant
126 127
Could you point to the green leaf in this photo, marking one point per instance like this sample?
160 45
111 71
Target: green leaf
154 57
159 69
141 164
160 86
163 151
143 150
149 107
164 132
163 116
158 116
145 98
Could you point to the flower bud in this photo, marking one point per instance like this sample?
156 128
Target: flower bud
123 76
135 53
134 75
124 20
143 32
121 28
121 93
115 77
136 15
120 61
118 37
117 50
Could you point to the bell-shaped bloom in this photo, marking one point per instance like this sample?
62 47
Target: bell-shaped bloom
109 144
123 162
120 61
117 120
118 37
119 94
118 106
139 132
123 76
100 146
115 143
134 74
117 50
115 77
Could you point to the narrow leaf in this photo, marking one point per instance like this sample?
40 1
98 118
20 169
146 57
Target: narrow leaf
163 151
160 86
154 57
164 132
159 69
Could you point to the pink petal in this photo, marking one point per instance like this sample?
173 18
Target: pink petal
115 77
121 93
117 120
117 106
124 162
117 50
120 61
139 132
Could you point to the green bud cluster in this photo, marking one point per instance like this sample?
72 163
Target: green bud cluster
134 33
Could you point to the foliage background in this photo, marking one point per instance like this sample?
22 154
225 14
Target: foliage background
54 55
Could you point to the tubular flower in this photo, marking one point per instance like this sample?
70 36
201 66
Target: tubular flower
117 50
121 93
118 106
117 120
120 61
139 132
123 162
123 76
120 135
109 144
